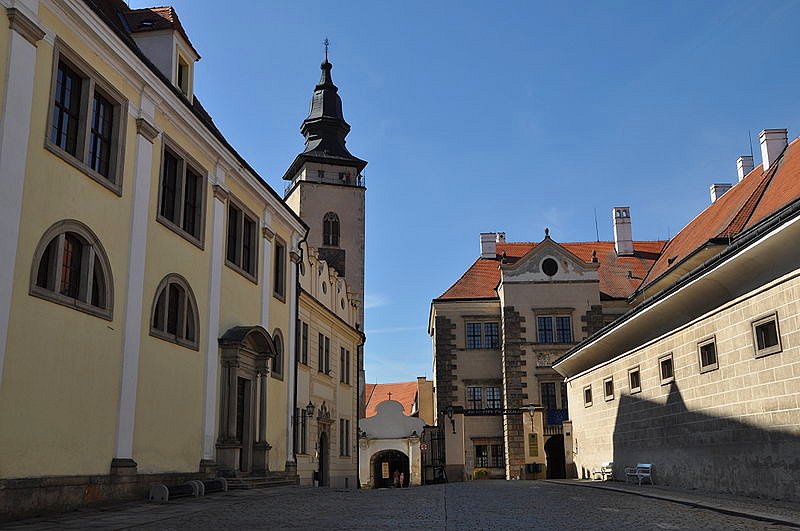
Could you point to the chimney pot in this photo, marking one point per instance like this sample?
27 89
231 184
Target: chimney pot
718 190
744 165
773 142
623 232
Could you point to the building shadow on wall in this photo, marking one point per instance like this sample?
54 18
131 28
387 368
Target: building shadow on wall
698 450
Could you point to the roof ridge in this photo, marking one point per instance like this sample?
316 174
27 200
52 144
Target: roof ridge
464 274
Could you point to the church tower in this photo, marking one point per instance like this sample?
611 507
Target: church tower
327 189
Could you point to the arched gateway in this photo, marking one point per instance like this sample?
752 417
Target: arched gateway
384 464
242 447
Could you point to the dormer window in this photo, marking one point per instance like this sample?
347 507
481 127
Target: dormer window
182 80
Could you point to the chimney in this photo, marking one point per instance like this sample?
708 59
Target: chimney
744 165
489 244
501 237
773 142
623 234
718 190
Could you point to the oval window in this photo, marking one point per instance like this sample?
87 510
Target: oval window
549 267
324 288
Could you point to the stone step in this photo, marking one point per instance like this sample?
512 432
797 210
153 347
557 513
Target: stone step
261 482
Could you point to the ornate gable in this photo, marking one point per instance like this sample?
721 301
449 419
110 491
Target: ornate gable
548 261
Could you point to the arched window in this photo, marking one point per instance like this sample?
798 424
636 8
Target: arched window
330 230
174 316
70 267
277 361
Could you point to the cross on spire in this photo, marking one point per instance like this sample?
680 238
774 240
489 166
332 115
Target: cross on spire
326 42
390 396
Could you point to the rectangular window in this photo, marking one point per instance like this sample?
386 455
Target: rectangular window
321 353
304 344
347 366
342 371
587 396
241 245
344 437
635 380
86 120
608 388
481 456
491 334
182 196
498 456
327 355
564 399
493 398
563 329
280 270
707 350
766 336
666 369
548 390
474 335
474 399
545 328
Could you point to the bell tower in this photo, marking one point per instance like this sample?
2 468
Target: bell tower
326 187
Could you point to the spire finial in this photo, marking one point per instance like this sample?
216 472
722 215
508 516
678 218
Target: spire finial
326 42
546 232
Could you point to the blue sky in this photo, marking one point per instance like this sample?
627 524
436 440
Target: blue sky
509 116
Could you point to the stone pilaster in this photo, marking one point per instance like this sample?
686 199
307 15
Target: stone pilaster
514 395
445 345
592 320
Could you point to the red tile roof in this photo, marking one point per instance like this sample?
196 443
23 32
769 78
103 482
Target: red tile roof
483 276
403 392
758 195
154 19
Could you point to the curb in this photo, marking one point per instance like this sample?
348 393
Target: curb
720 508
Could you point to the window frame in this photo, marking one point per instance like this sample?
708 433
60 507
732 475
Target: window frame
245 215
95 251
638 371
304 334
486 448
498 400
175 278
606 381
494 334
469 339
774 349
711 366
331 230
186 162
668 379
470 399
587 403
280 355
553 319
92 82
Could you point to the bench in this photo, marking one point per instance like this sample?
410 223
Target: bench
605 473
640 471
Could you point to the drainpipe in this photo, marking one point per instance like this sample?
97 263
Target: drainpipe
358 411
296 343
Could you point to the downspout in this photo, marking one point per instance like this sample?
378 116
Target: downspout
296 343
358 411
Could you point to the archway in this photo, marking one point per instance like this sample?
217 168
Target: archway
554 450
324 460
383 466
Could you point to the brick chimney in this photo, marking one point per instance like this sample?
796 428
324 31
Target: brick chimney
489 244
623 233
744 165
717 190
773 142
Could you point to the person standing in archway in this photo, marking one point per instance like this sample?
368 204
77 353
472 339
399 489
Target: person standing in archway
396 478
402 479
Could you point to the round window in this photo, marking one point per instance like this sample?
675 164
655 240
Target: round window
549 267
324 288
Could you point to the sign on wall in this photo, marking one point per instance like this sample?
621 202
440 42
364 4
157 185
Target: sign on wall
533 445
385 470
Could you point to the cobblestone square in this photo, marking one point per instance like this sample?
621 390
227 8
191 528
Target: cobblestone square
475 505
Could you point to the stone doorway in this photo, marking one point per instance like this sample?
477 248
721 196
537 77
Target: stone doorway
323 473
383 466
554 450
242 447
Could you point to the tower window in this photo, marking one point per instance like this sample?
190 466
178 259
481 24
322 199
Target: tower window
330 230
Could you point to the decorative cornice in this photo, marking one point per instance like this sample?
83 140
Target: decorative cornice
267 233
146 129
294 256
220 193
19 22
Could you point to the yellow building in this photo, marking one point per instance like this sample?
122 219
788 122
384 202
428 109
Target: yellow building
148 275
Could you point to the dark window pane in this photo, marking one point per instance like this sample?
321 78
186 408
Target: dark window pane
321 354
666 368
173 308
491 335
158 314
277 362
493 398
191 203
45 276
98 285
481 455
234 215
474 398
498 456
767 335
66 109
71 266
100 137
280 272
563 330
248 246
473 335
545 326
549 395
169 186
708 355
190 329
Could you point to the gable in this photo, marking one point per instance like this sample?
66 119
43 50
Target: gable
547 262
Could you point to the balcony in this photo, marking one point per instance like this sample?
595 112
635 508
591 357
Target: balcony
328 177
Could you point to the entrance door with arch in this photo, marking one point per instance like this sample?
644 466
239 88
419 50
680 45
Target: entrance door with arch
323 472
384 464
556 462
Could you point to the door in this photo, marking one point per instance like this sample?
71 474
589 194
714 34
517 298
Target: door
244 411
322 473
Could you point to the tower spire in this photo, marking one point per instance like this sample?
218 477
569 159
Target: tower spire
326 42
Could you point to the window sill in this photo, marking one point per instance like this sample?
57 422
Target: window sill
154 332
768 351
276 375
180 232
709 368
69 302
668 380
280 297
609 398
115 187
636 390
249 276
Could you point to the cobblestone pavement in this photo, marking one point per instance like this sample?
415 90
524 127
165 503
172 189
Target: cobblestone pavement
475 505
